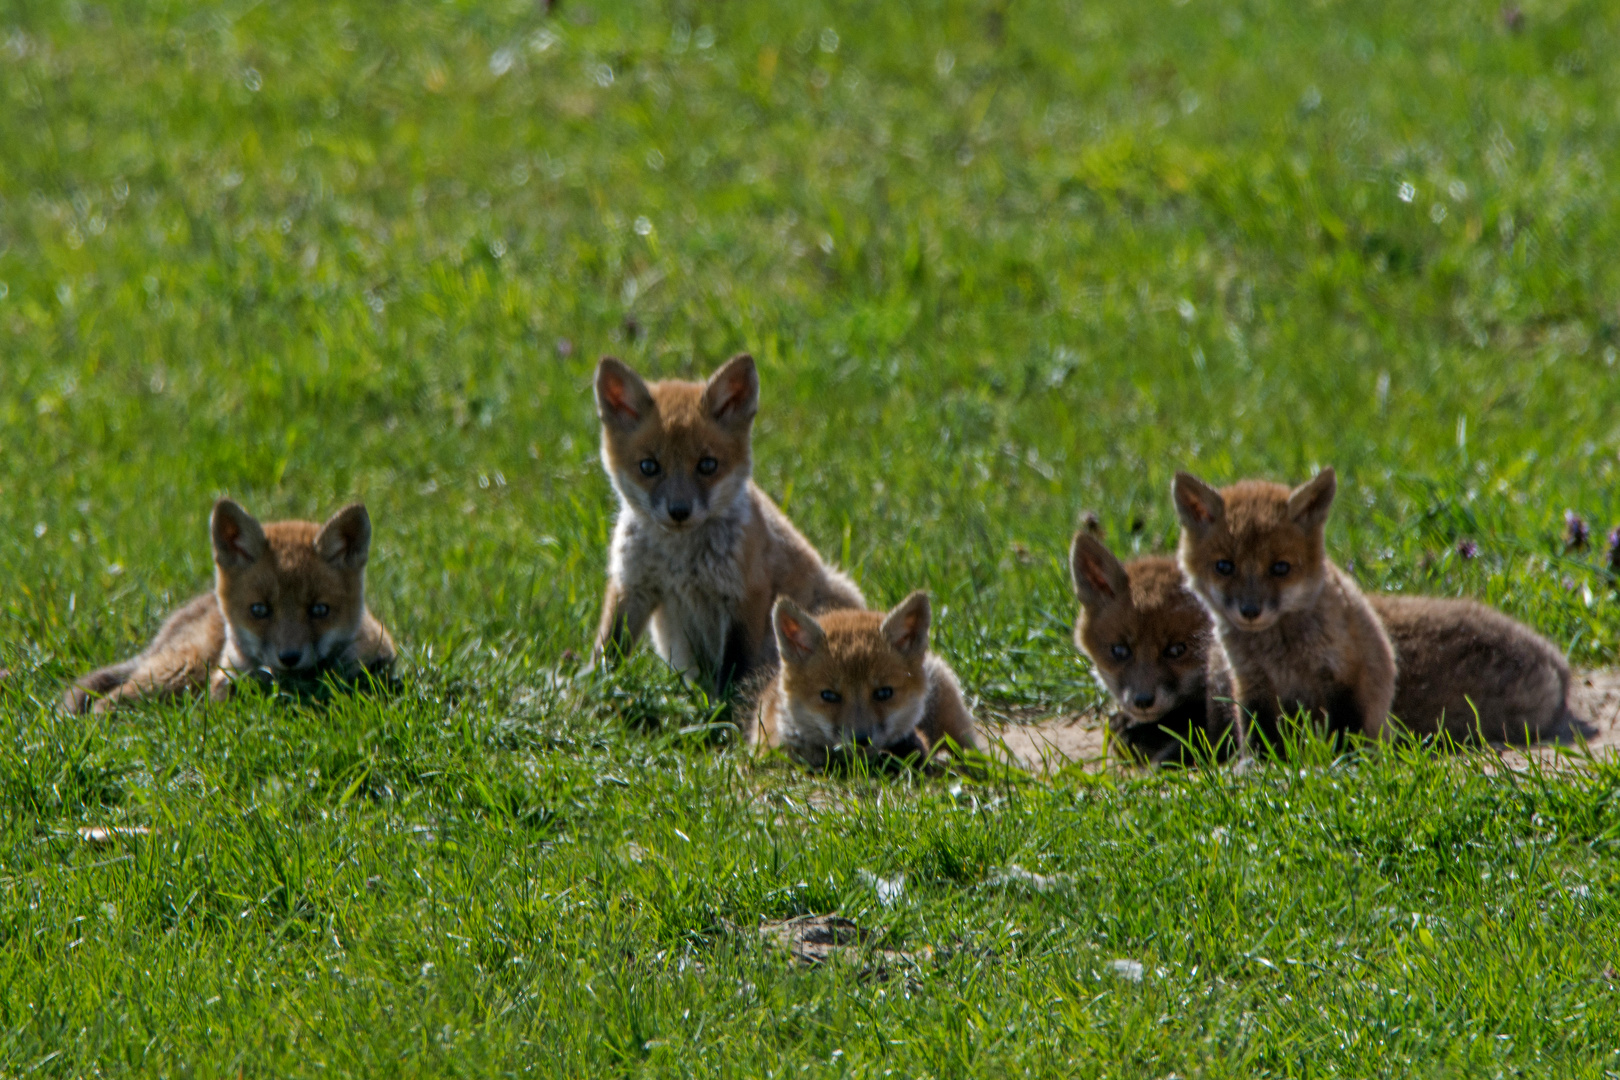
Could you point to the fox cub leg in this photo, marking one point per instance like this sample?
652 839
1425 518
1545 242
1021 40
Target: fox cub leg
82 696
625 615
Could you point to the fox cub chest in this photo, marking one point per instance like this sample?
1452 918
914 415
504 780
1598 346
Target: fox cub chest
1297 660
693 583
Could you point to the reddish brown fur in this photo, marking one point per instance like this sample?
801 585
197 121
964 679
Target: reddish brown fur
1295 632
1149 639
289 566
856 656
699 552
1472 672
675 426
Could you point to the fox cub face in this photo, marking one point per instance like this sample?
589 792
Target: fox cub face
677 451
1254 551
292 593
1146 633
854 681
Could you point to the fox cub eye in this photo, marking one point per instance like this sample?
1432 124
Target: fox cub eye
708 466
1173 651
1224 567
319 611
1121 652
831 697
883 693
649 467
260 610
1280 568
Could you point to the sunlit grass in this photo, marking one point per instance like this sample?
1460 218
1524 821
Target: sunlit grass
1000 264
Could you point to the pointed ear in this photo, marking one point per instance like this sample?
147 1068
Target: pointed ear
906 626
1309 503
238 540
733 392
622 398
345 540
1199 506
1099 579
798 636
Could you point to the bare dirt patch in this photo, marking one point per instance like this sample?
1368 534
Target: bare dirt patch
1049 744
833 939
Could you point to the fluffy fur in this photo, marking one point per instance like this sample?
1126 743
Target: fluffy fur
860 682
288 603
1295 631
1150 642
1473 673
699 552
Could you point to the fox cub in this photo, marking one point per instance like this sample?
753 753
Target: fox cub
699 552
860 682
1473 673
1295 631
1150 642
288 602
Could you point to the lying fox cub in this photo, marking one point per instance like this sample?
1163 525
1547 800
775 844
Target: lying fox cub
1298 633
1150 642
860 682
699 552
289 601
1473 673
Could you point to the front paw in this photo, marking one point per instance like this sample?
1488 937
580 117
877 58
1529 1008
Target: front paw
222 683
912 749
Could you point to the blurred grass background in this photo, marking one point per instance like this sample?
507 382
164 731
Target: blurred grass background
1000 262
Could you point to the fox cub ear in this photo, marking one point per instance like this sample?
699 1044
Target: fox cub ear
733 392
1099 579
1199 506
798 636
622 398
238 539
345 540
1309 503
906 626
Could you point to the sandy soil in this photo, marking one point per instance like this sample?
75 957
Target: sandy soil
1049 744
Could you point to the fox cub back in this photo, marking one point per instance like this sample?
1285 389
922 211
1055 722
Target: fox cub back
288 603
1150 641
1294 630
1473 673
699 552
860 683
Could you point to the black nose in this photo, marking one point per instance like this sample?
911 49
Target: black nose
680 512
1143 700
290 657
1249 611
863 738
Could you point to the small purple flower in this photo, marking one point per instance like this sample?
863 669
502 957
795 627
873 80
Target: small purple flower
1468 549
1614 551
1576 533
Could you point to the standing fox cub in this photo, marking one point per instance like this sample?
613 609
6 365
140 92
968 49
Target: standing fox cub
1151 643
1296 632
289 600
860 682
699 552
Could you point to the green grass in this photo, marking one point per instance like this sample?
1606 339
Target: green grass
1000 262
